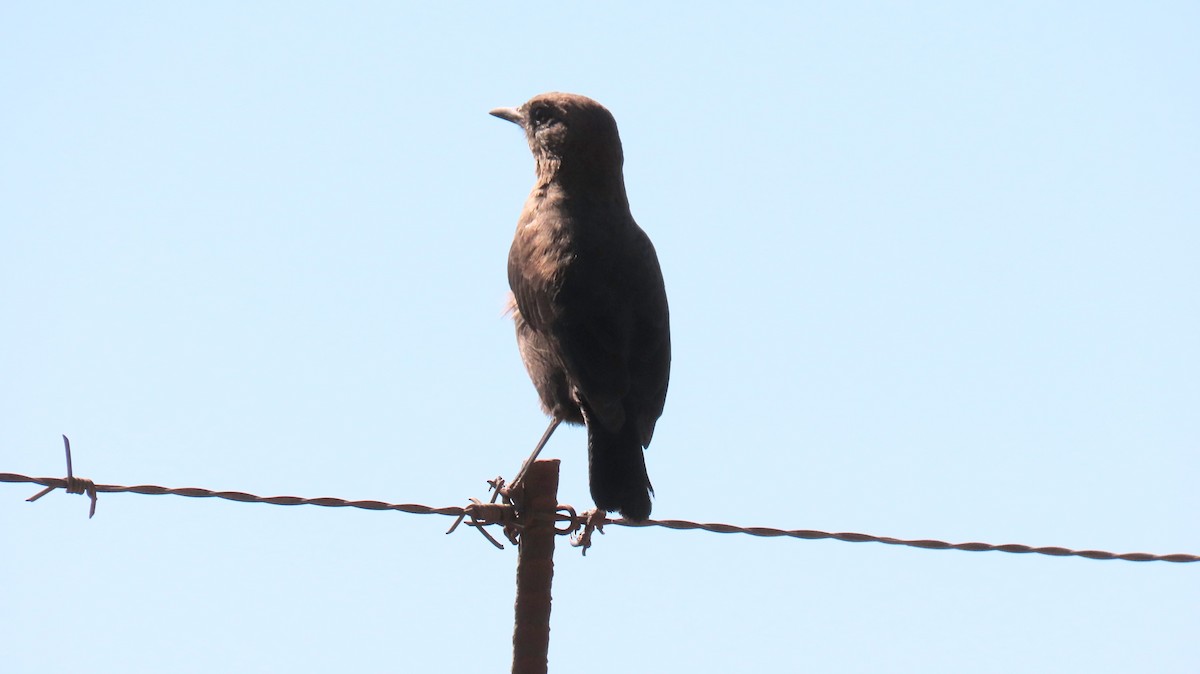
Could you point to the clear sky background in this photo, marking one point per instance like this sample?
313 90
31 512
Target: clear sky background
933 273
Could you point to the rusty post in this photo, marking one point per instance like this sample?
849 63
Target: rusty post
535 569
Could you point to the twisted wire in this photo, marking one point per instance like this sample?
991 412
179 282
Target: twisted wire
928 544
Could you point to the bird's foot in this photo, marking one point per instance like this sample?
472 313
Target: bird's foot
593 520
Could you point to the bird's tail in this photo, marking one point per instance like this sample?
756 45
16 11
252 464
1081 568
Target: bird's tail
617 471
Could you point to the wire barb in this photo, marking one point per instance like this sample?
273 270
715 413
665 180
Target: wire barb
483 514
73 485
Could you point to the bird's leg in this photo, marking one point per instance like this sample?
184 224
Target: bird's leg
536 450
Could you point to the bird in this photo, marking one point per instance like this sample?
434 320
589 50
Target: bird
588 299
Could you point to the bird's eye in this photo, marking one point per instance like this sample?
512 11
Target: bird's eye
540 115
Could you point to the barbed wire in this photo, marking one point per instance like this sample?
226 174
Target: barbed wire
490 513
242 497
927 544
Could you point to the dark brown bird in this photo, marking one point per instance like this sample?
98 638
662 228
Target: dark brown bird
590 304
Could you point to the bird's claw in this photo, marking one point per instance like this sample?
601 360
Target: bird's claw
593 520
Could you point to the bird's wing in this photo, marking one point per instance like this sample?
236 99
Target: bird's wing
615 334
650 359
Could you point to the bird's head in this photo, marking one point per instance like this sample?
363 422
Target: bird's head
568 133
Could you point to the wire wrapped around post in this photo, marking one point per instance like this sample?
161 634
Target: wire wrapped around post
535 568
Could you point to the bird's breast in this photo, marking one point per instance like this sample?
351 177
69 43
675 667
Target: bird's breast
543 248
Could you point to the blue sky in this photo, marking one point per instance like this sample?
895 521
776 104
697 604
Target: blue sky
932 271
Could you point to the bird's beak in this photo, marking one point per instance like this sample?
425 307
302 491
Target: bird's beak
514 115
